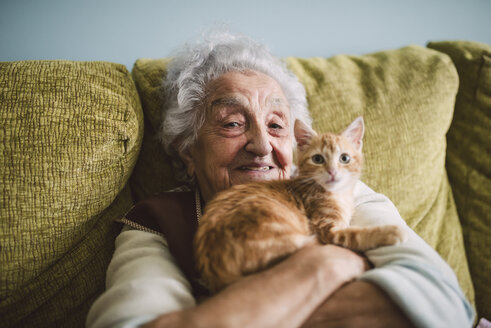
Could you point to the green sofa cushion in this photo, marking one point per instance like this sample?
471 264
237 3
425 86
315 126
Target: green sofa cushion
406 97
70 133
469 159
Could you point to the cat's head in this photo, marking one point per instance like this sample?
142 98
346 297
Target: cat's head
332 160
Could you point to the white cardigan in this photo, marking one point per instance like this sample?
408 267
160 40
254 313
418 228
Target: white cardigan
143 280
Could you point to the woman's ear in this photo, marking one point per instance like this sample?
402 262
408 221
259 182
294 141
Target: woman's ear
188 159
303 134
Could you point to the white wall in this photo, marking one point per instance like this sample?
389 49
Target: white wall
122 30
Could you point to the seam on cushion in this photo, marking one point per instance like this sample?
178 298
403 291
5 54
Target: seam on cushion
485 58
484 64
121 183
466 197
479 72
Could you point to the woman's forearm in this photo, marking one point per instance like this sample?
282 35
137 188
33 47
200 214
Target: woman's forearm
283 296
358 304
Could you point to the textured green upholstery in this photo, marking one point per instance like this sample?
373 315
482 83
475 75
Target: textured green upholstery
70 133
406 97
469 159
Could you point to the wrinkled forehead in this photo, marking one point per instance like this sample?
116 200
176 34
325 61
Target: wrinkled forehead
239 87
237 101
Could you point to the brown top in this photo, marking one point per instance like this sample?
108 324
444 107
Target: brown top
172 215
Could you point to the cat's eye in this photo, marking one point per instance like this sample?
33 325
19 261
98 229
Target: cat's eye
345 158
318 159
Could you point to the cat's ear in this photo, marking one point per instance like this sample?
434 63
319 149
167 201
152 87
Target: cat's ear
354 132
303 133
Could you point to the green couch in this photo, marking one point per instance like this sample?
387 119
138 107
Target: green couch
78 148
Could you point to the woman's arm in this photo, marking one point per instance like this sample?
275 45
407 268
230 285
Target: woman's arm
412 276
144 284
283 296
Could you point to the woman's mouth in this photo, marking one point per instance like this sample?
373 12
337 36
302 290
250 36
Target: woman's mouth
256 168
256 172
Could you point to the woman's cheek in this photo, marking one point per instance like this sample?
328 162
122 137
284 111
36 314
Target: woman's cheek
284 154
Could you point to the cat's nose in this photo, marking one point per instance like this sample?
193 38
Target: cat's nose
332 172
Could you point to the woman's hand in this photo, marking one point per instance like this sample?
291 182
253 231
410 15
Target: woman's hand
358 304
283 296
350 264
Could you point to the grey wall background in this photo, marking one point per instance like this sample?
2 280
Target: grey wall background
122 31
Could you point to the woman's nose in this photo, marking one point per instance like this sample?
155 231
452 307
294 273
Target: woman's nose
259 142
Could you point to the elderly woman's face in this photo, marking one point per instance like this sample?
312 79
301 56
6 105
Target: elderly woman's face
246 134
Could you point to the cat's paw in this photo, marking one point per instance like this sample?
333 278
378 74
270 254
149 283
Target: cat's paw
324 237
326 229
395 235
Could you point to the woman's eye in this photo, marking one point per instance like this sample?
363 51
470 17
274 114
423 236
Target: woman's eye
318 159
275 126
232 125
345 158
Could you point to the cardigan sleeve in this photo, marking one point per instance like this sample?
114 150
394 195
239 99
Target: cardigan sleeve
416 278
142 282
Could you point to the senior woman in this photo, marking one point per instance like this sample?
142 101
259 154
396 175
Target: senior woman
228 120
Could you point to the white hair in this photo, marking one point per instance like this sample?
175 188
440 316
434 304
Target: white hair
189 72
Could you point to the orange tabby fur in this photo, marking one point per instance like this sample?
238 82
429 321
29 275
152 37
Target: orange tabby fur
249 227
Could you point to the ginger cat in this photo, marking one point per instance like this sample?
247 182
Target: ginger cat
249 227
